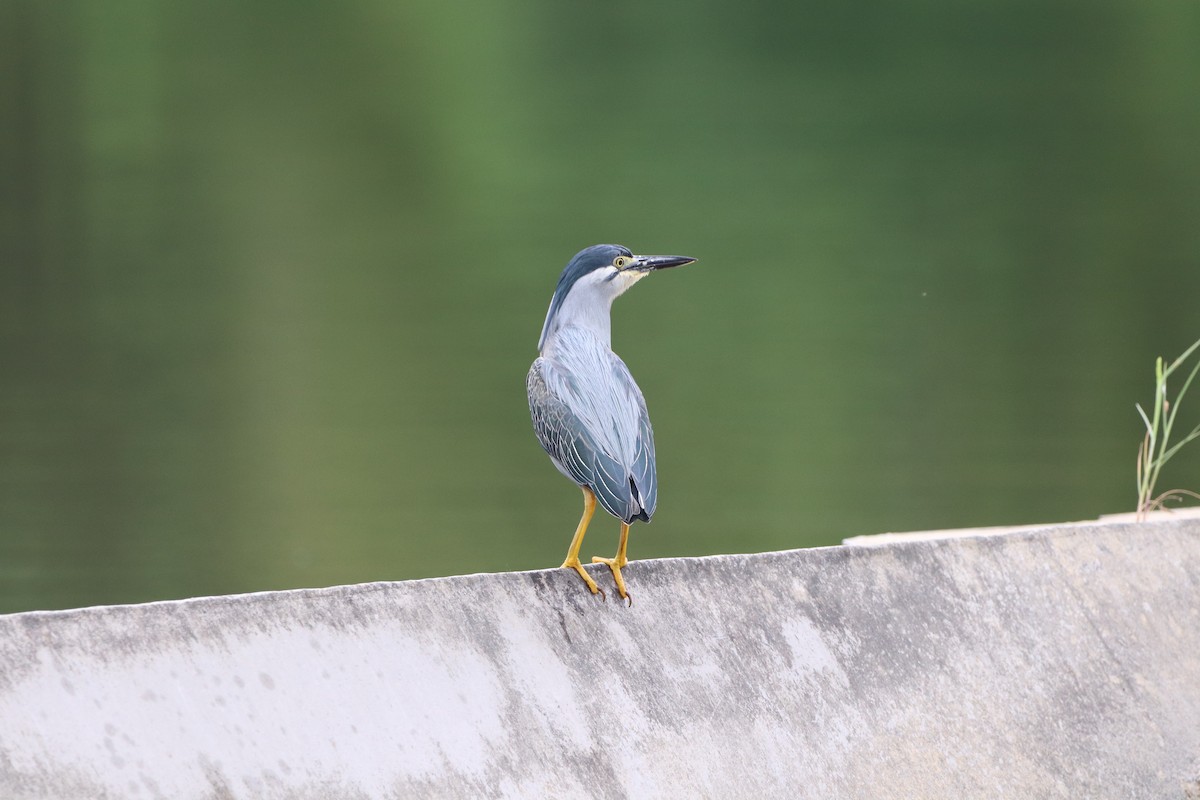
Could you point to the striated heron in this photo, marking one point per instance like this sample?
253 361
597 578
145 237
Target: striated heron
588 413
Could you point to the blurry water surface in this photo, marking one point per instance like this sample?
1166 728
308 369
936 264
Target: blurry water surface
271 275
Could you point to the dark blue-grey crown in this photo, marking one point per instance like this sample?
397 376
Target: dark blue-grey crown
589 259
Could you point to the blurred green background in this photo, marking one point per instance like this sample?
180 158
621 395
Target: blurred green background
271 274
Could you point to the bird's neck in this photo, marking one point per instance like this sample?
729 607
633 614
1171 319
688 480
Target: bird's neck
591 317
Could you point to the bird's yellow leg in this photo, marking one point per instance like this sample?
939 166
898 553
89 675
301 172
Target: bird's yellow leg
617 562
572 560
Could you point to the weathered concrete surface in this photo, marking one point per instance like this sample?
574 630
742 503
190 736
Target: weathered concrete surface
1063 662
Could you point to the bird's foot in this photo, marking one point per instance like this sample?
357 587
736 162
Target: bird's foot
615 565
573 563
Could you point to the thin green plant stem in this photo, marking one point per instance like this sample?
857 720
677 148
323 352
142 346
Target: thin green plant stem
1155 449
1171 410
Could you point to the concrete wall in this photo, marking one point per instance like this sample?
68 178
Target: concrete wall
1062 662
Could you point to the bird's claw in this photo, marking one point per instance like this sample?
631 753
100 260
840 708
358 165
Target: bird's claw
615 566
587 579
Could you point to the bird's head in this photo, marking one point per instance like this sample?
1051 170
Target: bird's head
595 277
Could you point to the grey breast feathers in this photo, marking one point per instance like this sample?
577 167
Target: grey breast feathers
591 419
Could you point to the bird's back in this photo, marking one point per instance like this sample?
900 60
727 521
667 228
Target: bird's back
591 418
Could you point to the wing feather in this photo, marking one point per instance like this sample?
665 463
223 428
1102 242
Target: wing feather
591 418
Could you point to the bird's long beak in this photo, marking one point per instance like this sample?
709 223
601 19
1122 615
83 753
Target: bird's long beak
650 263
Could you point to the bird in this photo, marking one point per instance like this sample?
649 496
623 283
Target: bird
588 413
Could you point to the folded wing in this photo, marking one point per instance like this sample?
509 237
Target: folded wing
591 419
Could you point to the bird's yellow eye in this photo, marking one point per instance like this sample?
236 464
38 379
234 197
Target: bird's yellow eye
620 261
